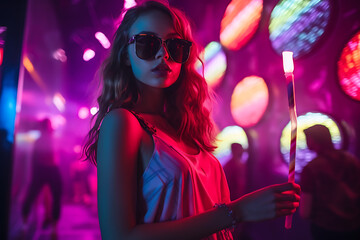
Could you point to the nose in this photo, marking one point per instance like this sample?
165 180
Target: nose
163 52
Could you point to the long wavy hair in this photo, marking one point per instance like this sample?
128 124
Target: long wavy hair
185 101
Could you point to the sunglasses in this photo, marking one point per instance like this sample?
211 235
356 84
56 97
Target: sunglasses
148 45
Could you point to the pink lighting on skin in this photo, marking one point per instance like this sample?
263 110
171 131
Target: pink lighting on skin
88 54
83 113
59 102
104 41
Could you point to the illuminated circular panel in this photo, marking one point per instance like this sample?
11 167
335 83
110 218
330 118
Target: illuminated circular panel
214 62
229 135
249 101
297 25
349 67
239 23
303 154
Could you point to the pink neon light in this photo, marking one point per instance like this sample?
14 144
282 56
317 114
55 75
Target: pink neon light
1 55
88 54
83 113
104 41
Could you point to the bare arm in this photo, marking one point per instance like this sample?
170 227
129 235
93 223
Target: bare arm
118 149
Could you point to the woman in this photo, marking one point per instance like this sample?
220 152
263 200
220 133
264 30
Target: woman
152 140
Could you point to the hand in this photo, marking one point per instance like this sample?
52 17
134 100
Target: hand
267 203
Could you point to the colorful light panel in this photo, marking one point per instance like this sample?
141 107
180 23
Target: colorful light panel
229 135
240 21
349 67
297 25
303 154
249 101
214 63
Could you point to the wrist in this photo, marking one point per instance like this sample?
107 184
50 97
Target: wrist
229 213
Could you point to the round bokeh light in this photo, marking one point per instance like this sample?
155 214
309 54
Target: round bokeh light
249 101
303 154
239 23
228 136
349 67
297 25
214 62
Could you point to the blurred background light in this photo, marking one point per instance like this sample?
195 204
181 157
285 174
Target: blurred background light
88 54
129 3
57 121
60 55
104 41
303 154
239 23
1 55
59 101
94 110
77 149
83 112
35 76
29 137
349 67
215 64
297 25
228 136
249 101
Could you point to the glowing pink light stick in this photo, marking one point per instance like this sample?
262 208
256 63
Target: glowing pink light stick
289 69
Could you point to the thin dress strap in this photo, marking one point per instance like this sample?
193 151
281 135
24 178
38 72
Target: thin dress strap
144 124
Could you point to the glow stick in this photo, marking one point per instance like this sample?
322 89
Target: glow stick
288 69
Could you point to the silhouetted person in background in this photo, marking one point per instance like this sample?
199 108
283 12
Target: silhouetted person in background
235 172
45 171
330 185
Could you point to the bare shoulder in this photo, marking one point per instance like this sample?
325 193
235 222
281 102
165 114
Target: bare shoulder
120 132
119 118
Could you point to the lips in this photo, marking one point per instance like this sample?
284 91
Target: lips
161 68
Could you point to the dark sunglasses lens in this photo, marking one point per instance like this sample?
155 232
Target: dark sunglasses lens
178 50
147 46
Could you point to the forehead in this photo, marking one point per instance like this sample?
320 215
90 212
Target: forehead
154 21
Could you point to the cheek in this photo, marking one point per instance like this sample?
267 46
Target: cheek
136 65
136 70
176 71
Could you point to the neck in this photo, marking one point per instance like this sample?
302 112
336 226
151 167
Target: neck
151 100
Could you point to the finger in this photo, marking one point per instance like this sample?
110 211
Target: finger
287 197
286 187
286 205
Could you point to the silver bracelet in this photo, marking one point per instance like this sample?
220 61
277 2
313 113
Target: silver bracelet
229 212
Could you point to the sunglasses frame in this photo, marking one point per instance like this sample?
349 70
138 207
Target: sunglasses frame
187 43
